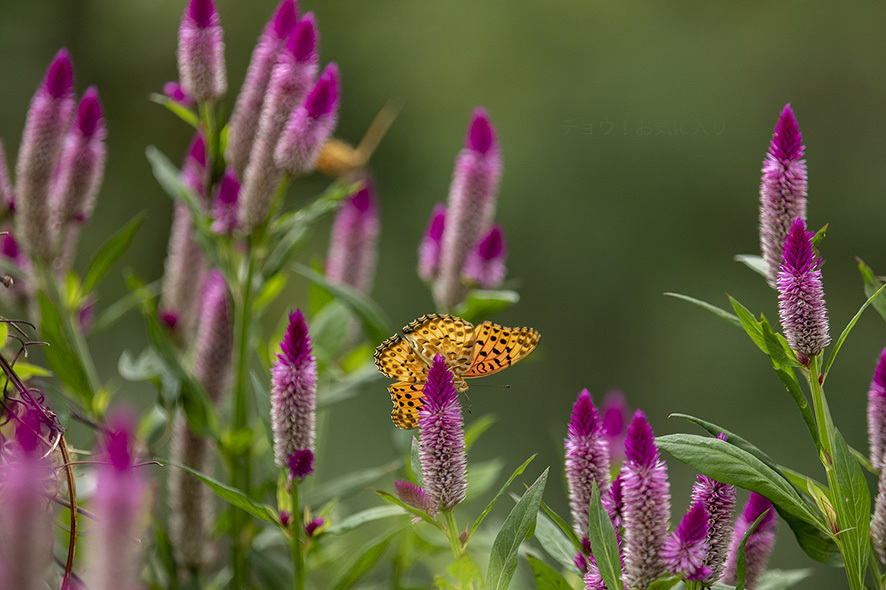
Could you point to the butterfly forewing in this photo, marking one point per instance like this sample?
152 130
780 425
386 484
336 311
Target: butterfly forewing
448 335
407 398
395 358
497 348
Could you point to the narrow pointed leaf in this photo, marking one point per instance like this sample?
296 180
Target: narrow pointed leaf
839 343
741 560
604 544
367 557
871 285
482 304
753 262
60 354
369 515
852 502
109 253
553 540
717 311
175 107
546 577
500 493
517 527
749 323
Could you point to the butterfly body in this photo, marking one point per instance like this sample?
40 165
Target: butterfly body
469 352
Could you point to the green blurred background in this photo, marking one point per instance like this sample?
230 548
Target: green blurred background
601 215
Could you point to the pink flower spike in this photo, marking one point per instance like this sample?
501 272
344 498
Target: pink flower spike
215 337
616 417
442 454
801 305
310 125
174 91
201 52
291 79
300 464
429 249
647 506
782 190
587 460
81 168
353 241
414 496
685 551
244 119
294 392
877 413
470 207
49 117
759 545
718 500
113 559
485 264
224 209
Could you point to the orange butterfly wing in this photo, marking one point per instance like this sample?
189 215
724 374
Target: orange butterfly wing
395 358
497 347
447 335
407 398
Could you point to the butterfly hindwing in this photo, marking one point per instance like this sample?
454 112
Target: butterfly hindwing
395 358
497 347
407 398
448 335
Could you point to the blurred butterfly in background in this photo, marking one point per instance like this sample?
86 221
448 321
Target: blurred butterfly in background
469 352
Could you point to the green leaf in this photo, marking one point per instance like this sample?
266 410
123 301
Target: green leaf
109 253
750 324
415 462
122 306
329 330
477 428
555 542
546 577
373 318
410 509
369 515
4 332
463 574
367 557
500 493
845 333
731 318
564 528
232 496
27 371
727 463
789 379
481 304
181 111
269 291
60 355
755 263
852 502
517 527
604 544
814 542
871 285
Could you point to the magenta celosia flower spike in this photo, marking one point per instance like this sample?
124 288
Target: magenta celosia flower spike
647 506
470 207
801 305
310 125
759 544
415 496
300 464
119 504
878 521
7 196
429 249
42 142
685 551
782 191
587 461
877 413
201 52
175 92
353 241
442 453
293 392
291 79
485 264
27 482
616 417
244 119
191 502
718 500
613 502
185 262
224 208
79 174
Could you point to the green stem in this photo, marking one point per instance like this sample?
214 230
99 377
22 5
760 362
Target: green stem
298 560
823 419
72 333
452 532
241 463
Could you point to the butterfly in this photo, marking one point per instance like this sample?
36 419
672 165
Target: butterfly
469 352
